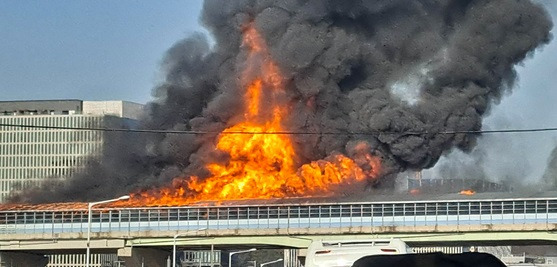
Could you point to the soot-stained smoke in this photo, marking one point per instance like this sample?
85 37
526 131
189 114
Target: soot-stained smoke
349 66
550 175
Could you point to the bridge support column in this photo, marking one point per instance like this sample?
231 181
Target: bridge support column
143 257
18 259
294 257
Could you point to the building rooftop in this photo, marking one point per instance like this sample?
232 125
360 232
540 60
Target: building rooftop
117 108
38 100
40 107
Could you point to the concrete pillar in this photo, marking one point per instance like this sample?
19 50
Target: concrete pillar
291 257
18 259
143 257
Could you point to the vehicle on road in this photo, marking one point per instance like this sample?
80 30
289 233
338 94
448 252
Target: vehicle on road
343 253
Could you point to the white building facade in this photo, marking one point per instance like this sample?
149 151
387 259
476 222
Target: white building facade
29 156
78 260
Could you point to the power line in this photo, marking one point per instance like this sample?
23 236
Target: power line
529 130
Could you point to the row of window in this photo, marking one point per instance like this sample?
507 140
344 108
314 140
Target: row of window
44 160
65 260
57 121
50 136
30 173
66 148
7 187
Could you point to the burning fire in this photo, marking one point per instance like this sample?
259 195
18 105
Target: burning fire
467 192
262 161
415 191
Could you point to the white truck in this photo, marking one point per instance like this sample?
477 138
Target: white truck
343 253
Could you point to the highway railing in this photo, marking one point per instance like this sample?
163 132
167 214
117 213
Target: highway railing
283 216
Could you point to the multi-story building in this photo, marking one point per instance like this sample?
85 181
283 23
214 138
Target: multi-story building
78 260
31 155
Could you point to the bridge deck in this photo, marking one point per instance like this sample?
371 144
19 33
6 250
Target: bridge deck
286 216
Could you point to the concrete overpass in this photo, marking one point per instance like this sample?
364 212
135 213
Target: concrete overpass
148 232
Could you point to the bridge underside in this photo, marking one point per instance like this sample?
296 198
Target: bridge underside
303 241
155 248
280 238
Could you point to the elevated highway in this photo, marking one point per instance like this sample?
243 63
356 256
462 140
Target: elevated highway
420 222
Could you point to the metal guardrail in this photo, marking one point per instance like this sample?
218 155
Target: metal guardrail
281 216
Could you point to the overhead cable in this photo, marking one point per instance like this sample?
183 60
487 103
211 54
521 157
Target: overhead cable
191 132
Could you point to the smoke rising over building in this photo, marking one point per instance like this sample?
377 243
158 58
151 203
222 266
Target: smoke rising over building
385 68
550 175
31 156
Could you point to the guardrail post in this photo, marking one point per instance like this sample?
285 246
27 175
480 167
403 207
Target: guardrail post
458 216
288 221
436 213
208 216
547 214
129 222
178 218
119 220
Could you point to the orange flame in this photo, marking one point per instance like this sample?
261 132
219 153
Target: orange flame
415 191
467 192
262 161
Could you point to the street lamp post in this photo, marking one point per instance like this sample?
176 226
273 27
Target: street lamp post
270 262
89 217
174 244
238 252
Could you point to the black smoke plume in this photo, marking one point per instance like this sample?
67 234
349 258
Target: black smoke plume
376 67
549 178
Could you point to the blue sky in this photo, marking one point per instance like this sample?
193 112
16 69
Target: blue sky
91 50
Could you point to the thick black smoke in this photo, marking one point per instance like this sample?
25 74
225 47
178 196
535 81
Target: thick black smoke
375 67
550 176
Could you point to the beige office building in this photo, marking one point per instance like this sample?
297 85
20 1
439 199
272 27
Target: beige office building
28 156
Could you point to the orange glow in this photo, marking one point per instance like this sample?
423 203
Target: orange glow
46 206
262 166
415 191
467 192
253 95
